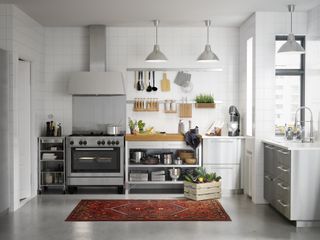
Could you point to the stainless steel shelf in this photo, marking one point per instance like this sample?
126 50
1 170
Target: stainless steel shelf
53 160
162 166
216 69
52 172
156 182
51 151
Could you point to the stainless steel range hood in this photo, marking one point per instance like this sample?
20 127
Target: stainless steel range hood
98 81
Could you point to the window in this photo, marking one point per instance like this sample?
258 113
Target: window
290 85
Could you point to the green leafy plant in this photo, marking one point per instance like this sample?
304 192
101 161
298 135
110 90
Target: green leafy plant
200 175
141 125
132 124
204 98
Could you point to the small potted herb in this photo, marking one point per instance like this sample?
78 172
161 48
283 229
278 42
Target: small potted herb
132 125
141 125
201 185
205 101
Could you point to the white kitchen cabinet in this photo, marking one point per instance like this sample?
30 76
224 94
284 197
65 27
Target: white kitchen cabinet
230 175
225 156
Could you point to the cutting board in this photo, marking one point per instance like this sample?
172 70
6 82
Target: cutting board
165 83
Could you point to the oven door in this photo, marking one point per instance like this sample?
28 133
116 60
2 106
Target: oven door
95 162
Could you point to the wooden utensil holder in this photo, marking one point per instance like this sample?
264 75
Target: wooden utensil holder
185 110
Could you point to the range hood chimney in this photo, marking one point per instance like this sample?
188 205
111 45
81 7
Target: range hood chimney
98 81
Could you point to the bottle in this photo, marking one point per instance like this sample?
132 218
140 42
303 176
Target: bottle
59 130
181 128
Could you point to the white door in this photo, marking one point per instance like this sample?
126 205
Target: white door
24 108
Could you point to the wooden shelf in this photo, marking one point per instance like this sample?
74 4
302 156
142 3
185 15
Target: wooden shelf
217 69
162 166
155 137
156 182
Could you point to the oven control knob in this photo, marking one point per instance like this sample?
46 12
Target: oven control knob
99 142
103 142
117 142
80 142
71 142
85 142
109 142
113 142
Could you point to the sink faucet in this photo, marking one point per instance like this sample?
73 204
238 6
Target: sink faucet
303 139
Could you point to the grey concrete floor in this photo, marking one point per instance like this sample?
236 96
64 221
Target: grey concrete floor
43 218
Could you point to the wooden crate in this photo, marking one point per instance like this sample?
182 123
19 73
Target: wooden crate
202 191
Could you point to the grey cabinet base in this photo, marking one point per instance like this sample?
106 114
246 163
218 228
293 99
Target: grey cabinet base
307 223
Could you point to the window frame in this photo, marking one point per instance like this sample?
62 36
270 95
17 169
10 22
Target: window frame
296 72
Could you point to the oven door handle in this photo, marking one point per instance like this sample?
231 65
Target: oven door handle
96 149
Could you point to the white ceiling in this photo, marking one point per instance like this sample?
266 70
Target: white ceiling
140 12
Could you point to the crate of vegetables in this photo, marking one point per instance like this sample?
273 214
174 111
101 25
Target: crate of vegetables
200 185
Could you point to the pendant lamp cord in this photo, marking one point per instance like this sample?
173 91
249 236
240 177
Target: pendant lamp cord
208 23
291 21
156 23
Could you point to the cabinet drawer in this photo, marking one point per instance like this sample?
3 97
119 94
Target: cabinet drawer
269 159
283 173
284 157
230 175
282 207
268 188
221 151
282 190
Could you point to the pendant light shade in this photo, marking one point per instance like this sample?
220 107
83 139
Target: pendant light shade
291 45
156 55
207 55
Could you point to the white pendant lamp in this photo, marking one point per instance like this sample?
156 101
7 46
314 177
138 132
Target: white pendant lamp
291 45
207 55
156 55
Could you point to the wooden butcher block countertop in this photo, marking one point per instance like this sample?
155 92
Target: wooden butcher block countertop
155 137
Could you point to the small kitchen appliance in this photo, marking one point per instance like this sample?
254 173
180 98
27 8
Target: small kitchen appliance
234 122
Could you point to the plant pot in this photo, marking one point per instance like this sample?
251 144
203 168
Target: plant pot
202 191
205 105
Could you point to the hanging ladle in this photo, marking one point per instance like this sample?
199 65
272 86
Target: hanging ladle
154 88
149 88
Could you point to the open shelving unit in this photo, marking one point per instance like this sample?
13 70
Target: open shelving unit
51 171
152 147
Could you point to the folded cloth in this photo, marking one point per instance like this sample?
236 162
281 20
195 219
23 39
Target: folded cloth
192 139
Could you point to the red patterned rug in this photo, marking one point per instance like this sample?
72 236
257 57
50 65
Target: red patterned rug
148 210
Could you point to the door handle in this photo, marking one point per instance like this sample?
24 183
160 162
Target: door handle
282 204
283 187
95 149
268 178
271 148
285 153
283 169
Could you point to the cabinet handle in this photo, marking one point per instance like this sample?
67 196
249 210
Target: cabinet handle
285 153
268 178
271 148
282 204
283 169
283 187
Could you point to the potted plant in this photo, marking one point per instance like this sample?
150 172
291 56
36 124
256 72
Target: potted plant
201 185
141 125
132 125
205 101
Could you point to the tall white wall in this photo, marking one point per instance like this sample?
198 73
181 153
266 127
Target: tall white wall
313 65
128 47
4 109
66 50
23 39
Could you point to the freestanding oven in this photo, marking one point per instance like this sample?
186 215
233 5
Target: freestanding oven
95 161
